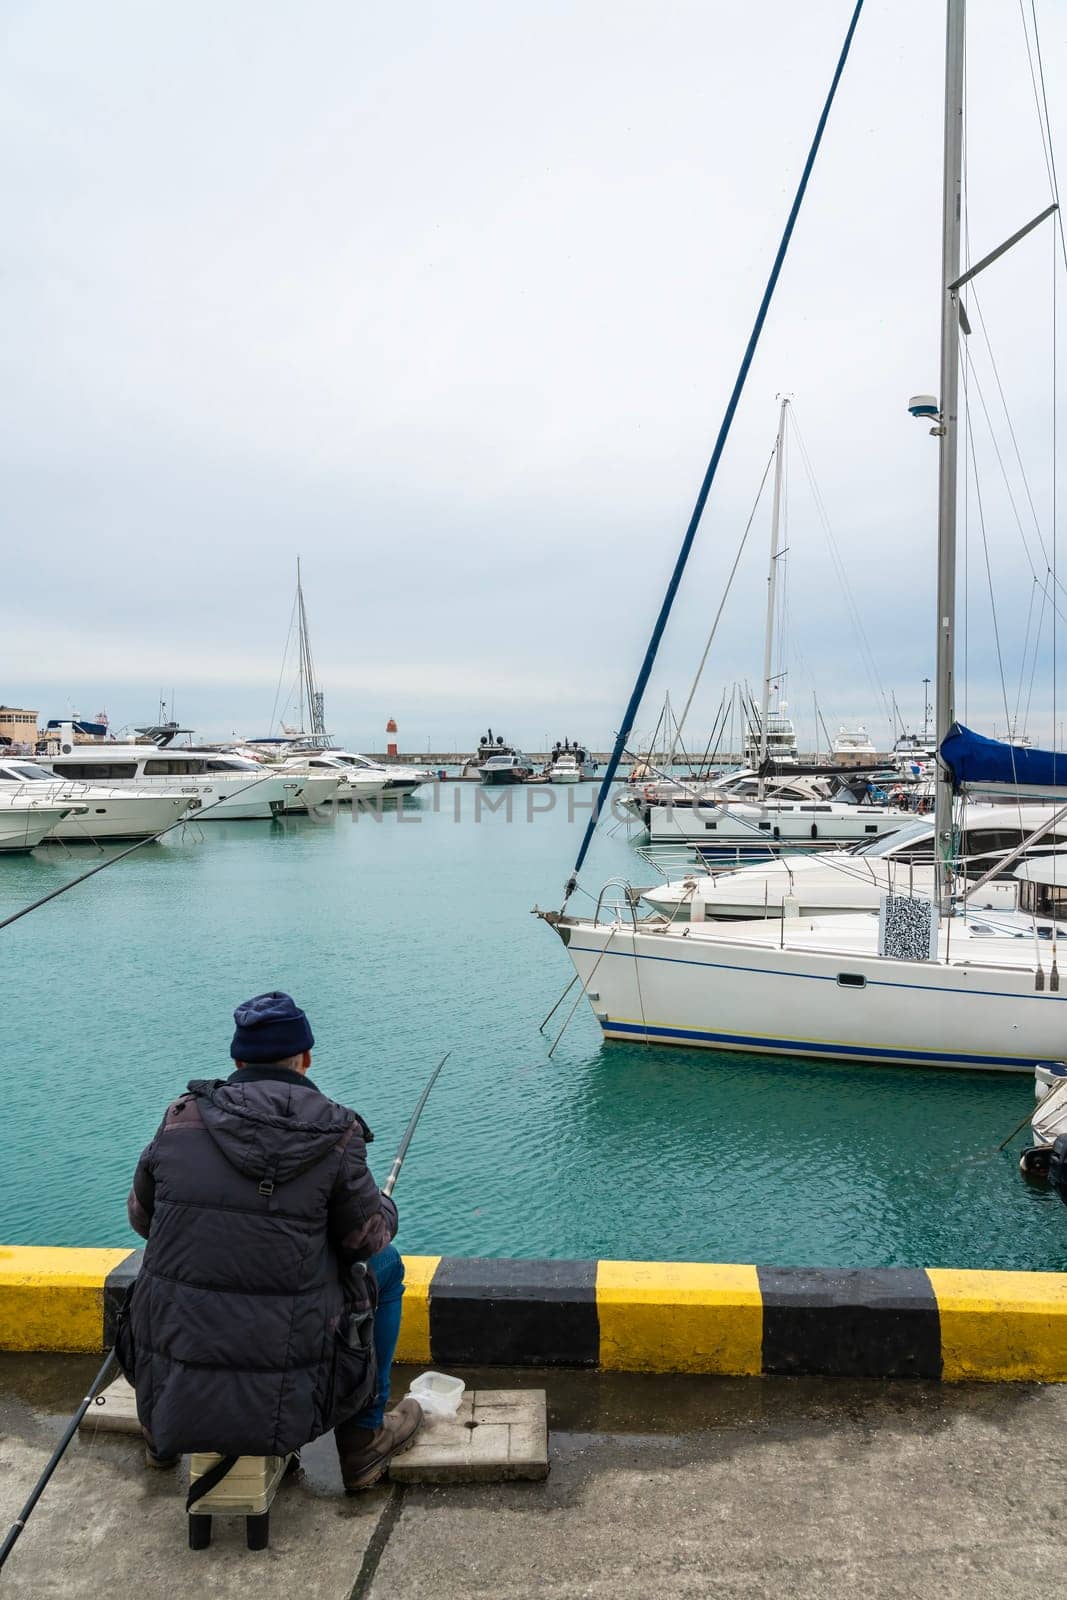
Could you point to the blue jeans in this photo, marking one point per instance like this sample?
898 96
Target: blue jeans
388 1269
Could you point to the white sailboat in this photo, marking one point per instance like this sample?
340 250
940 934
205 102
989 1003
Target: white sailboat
765 809
918 982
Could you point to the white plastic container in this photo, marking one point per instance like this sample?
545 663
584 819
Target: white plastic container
437 1393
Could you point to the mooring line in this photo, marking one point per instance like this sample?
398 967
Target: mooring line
558 1003
583 991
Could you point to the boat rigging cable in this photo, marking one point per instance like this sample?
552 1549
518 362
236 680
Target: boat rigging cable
680 721
666 607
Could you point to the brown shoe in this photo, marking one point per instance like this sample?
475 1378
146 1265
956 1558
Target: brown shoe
367 1455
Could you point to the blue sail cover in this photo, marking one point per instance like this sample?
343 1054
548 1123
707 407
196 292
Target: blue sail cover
991 765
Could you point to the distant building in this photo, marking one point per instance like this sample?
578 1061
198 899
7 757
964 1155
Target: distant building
18 726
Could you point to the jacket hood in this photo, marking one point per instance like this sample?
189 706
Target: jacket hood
271 1130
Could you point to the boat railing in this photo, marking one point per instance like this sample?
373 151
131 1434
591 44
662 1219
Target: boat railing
628 903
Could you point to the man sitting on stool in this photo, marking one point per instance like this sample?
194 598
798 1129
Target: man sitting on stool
267 1308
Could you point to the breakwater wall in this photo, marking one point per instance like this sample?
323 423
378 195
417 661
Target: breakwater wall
723 758
635 1316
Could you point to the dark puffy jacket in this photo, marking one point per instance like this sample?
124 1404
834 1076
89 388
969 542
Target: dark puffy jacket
255 1199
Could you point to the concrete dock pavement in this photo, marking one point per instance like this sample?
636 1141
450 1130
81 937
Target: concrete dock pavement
672 1486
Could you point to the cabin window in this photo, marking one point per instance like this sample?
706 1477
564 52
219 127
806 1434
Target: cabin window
919 853
92 770
711 824
989 841
173 768
765 826
870 827
851 980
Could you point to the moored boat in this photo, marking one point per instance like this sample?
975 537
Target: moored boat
228 787
25 821
98 812
570 763
854 880
513 767
922 982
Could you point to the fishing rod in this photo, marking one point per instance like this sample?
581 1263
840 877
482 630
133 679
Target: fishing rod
398 1160
183 821
56 1457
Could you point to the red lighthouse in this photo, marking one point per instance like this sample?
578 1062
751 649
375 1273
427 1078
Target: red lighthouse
390 731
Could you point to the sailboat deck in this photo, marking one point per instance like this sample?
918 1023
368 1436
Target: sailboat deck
1000 940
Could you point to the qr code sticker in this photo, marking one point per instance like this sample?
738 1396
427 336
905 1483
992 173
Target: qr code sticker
907 928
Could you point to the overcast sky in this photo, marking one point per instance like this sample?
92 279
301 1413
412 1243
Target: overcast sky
448 299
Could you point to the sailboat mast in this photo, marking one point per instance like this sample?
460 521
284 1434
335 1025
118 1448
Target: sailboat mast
301 634
772 584
946 501
310 693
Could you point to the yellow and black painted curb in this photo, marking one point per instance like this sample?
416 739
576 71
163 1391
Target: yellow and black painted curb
636 1316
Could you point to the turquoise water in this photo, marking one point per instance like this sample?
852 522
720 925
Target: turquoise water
409 936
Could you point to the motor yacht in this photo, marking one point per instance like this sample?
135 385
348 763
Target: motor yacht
98 812
841 881
570 763
512 768
853 744
400 781
781 739
354 782
229 787
490 746
733 821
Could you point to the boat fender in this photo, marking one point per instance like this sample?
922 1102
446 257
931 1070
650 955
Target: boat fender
1057 1167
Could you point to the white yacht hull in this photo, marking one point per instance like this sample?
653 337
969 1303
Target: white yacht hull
315 790
752 830
120 816
242 799
25 824
354 790
753 996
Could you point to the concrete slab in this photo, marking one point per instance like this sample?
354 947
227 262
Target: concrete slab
673 1487
821 1490
107 1525
497 1435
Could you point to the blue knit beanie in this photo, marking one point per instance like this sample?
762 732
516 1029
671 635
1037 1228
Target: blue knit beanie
270 1027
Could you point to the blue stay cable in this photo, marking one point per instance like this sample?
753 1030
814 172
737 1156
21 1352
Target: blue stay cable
647 664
